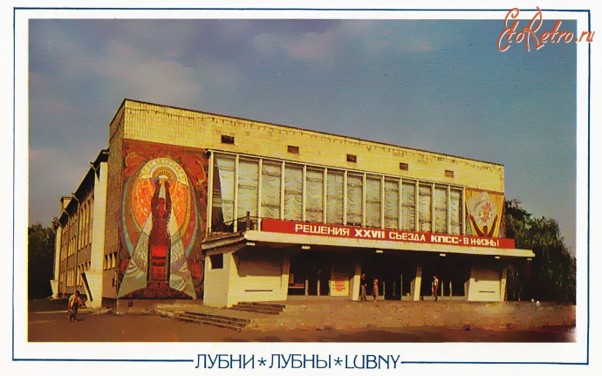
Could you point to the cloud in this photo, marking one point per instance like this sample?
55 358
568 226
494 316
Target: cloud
47 183
312 45
50 105
366 38
133 73
306 46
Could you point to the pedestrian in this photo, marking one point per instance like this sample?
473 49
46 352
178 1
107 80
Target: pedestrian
435 287
73 305
375 289
363 287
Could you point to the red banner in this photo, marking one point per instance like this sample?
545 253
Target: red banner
351 232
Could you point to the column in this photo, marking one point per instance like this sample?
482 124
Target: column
417 283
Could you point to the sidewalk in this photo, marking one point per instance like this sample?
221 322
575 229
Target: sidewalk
343 314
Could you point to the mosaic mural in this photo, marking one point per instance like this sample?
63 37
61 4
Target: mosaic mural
483 213
163 209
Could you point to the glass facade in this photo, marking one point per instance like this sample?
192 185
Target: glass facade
266 188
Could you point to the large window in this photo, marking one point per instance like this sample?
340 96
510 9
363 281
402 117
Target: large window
440 202
455 211
391 203
335 197
248 171
373 201
271 175
223 190
354 199
424 206
314 195
297 192
408 216
293 192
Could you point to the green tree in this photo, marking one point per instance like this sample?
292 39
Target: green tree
551 274
40 259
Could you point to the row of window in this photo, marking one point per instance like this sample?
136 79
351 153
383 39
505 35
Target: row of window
292 191
85 223
82 268
71 276
68 277
110 261
71 241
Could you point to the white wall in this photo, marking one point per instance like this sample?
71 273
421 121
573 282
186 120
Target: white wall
95 274
217 281
54 283
484 285
259 276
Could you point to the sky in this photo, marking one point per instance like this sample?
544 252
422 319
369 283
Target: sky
437 85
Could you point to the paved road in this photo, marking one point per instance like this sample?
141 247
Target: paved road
48 323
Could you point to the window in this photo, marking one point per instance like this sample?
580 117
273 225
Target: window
227 139
455 211
408 202
293 192
424 208
404 166
440 202
334 213
314 195
449 173
217 261
271 174
248 179
351 158
293 149
298 192
391 203
373 201
223 192
354 199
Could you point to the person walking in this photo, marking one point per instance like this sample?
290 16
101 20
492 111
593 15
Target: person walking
73 304
375 289
435 287
363 287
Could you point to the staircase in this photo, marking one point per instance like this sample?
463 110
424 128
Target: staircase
241 316
221 321
267 308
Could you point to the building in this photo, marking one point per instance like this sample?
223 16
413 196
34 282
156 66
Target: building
189 205
80 259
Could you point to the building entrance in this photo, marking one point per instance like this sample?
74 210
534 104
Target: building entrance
453 273
394 273
315 273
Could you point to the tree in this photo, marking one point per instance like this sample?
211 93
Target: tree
551 275
40 259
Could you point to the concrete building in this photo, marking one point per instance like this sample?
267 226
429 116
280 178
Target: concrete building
190 205
80 259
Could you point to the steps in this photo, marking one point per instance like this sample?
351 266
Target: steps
225 318
267 308
221 321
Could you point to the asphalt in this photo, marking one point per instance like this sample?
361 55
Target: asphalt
315 321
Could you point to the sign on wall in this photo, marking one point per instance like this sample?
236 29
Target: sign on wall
339 281
351 232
